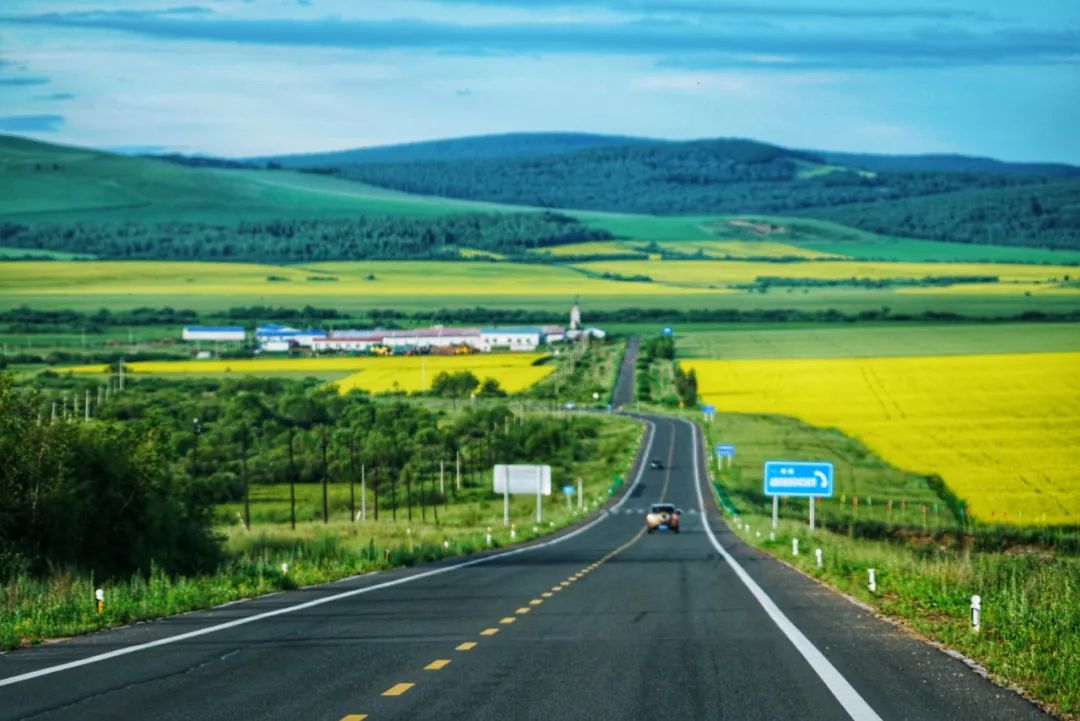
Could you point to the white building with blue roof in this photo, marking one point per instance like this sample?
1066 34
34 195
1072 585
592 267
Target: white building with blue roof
215 333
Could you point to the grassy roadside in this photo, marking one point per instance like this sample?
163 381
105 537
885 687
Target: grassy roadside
925 575
33 610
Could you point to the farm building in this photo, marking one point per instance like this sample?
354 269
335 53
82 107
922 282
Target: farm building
436 337
350 341
233 334
516 339
271 336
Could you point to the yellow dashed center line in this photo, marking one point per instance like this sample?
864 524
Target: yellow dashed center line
437 664
397 689
354 717
489 632
507 620
522 611
547 594
535 602
467 646
556 589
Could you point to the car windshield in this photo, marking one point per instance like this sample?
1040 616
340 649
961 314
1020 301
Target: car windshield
662 508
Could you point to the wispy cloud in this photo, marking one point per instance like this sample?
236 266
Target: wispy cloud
55 97
23 81
680 43
31 123
707 7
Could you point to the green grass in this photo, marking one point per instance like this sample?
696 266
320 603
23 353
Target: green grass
36 609
41 182
867 341
1030 633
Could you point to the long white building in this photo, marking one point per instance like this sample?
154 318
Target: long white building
231 334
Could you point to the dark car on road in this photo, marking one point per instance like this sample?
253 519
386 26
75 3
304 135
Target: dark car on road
656 464
663 517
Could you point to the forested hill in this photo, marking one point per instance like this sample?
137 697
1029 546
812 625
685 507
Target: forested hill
945 163
509 145
743 176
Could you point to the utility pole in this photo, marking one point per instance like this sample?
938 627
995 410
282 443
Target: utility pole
292 481
196 429
457 471
244 475
352 479
363 492
408 491
325 478
121 372
86 405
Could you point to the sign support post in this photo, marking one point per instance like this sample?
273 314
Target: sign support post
798 479
539 503
775 511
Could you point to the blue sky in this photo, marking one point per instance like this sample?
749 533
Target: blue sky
253 77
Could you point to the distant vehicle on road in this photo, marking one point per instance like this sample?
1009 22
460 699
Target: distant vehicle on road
656 464
663 517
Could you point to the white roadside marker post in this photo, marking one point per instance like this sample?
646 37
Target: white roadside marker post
872 581
817 555
488 537
99 595
976 610
513 531
284 569
794 546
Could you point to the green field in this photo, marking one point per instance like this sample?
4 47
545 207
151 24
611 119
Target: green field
424 285
868 341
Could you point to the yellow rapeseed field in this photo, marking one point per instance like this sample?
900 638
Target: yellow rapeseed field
1002 430
513 371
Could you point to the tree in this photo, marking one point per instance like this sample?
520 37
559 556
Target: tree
454 385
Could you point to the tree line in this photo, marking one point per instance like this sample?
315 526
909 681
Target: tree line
136 485
368 237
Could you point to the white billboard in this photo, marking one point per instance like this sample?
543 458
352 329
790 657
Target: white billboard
522 479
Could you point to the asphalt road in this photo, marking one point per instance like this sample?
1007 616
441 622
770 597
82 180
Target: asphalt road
602 623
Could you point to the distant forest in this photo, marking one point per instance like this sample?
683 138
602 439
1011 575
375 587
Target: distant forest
734 176
293 241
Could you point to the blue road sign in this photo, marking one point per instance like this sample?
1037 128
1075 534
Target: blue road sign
725 450
666 331
568 490
796 478
708 409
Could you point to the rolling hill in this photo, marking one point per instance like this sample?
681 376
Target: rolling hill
43 182
947 198
509 145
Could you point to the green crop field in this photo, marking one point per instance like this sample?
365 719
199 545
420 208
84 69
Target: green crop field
877 340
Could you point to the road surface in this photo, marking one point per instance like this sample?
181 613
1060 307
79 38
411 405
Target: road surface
601 623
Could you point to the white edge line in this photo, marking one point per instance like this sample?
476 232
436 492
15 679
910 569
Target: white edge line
855 705
12 680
